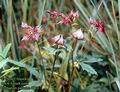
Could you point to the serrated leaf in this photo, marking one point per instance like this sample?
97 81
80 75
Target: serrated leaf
88 68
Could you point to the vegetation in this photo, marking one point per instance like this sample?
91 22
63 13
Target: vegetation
60 46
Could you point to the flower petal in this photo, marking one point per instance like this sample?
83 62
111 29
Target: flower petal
78 34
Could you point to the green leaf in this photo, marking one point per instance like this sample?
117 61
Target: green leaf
118 83
27 90
31 86
6 49
34 84
29 68
91 88
88 68
27 59
6 72
0 49
9 70
76 85
50 49
95 88
93 60
51 89
3 63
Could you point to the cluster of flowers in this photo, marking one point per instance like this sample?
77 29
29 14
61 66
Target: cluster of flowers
33 33
59 40
65 19
97 23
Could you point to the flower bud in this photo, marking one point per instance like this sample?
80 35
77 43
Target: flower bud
78 34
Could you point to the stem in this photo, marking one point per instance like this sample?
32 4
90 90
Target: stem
67 80
73 52
52 70
39 52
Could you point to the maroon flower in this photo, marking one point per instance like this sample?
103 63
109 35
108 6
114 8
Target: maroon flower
54 13
97 23
73 15
65 19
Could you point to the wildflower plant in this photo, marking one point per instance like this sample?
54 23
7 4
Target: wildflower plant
60 51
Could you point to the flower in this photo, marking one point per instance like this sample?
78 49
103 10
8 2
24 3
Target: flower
73 15
58 39
54 13
97 23
31 33
22 44
78 34
24 25
65 19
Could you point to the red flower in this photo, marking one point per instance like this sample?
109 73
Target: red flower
97 23
58 39
66 19
78 34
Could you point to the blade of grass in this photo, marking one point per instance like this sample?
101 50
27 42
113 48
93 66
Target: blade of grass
80 6
113 56
24 9
119 9
96 8
114 22
41 10
10 29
